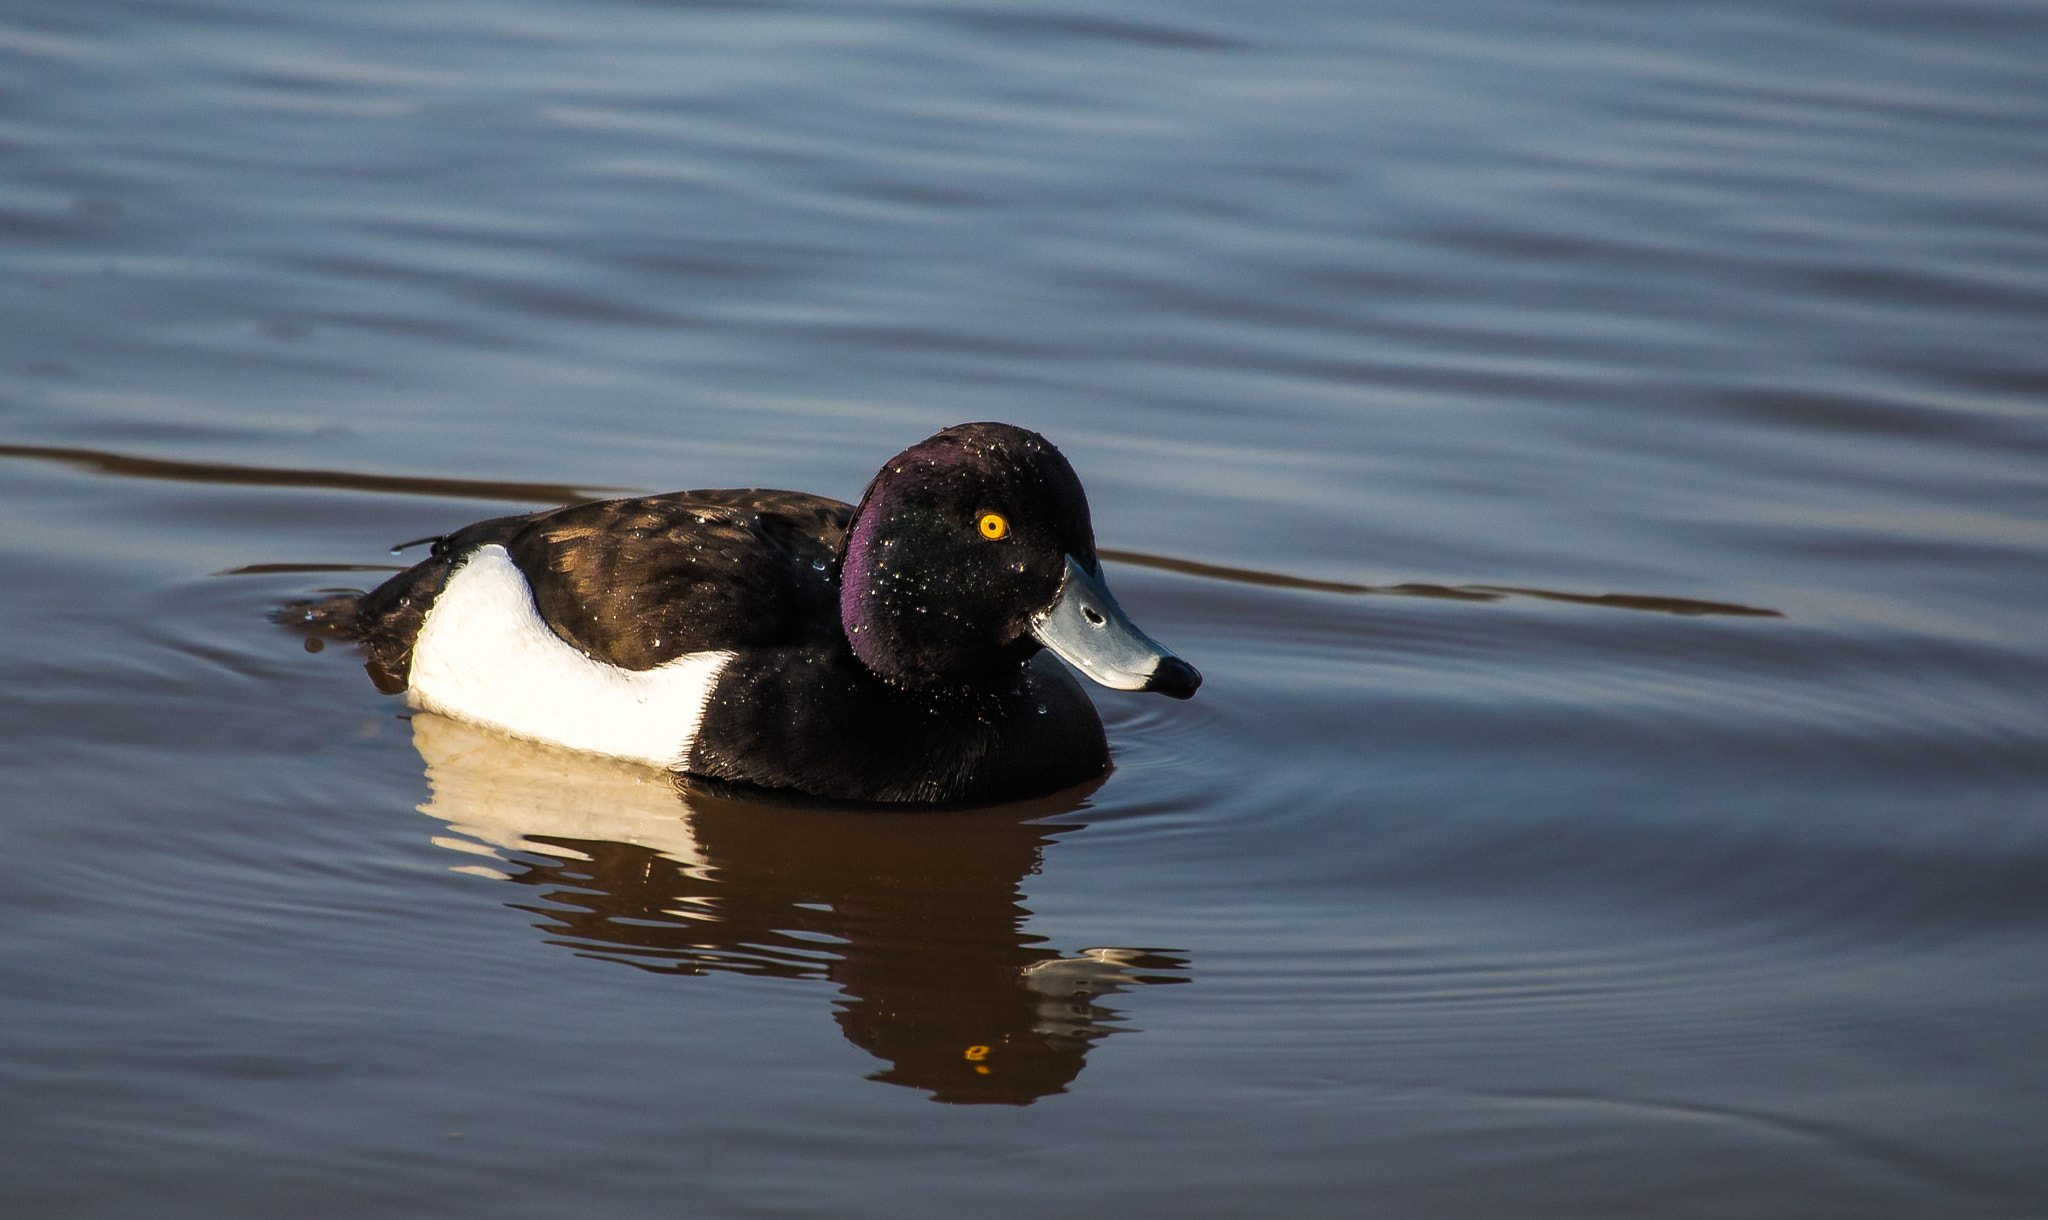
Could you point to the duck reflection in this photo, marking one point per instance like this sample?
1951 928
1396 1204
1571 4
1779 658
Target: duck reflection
916 916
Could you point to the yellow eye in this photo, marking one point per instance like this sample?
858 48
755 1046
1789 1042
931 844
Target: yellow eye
994 526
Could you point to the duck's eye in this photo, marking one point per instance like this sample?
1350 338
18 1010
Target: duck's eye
994 526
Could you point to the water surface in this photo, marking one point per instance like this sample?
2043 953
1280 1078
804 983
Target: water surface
1597 455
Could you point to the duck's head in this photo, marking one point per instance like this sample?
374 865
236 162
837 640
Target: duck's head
972 550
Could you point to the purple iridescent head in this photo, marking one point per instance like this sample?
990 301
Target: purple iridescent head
972 550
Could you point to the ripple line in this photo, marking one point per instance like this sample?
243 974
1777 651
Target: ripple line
126 466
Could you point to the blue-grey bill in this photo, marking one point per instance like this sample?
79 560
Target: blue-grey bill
1089 631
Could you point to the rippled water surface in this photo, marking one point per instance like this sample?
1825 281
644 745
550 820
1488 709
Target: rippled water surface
1598 454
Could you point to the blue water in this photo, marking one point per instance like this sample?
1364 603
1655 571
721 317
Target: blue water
1388 341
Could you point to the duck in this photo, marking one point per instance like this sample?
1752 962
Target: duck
896 651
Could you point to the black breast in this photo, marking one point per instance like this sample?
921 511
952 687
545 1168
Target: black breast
815 720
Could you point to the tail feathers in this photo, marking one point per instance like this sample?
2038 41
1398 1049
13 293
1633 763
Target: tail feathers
337 615
384 622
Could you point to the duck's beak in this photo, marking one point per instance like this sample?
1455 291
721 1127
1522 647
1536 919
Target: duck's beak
1086 627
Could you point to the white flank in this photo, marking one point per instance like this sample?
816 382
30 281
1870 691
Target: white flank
484 655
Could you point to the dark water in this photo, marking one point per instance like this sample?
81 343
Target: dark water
1463 889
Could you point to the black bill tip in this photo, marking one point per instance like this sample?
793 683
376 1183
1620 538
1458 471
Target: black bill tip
1174 678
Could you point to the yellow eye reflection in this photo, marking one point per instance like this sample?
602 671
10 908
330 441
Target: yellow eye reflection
994 526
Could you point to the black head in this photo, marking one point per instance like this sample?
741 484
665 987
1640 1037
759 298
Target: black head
973 549
957 543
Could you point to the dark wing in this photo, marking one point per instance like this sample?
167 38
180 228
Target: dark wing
632 582
640 582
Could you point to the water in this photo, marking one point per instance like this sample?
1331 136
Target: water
1389 342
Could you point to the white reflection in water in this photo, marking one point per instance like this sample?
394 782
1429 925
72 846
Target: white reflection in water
916 916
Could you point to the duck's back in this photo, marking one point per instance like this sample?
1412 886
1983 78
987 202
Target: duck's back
633 583
637 583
